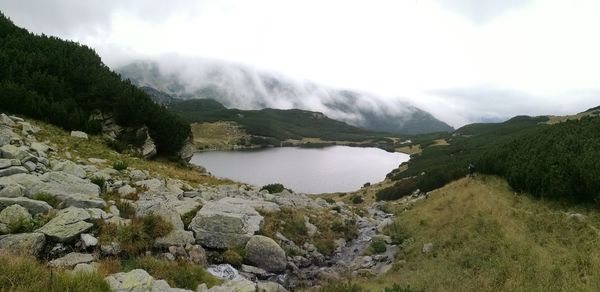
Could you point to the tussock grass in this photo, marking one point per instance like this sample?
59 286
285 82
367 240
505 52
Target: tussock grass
487 238
180 274
26 274
136 237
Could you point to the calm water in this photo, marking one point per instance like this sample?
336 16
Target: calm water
306 170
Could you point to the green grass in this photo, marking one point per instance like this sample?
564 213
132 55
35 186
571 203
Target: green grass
377 246
487 238
26 274
136 237
51 200
180 274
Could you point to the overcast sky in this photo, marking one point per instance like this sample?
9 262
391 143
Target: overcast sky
463 60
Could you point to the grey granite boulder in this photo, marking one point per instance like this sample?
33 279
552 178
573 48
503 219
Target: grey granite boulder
23 243
223 225
67 224
266 254
33 206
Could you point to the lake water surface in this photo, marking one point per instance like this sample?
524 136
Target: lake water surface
305 170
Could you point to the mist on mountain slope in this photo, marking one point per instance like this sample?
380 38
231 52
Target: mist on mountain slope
242 87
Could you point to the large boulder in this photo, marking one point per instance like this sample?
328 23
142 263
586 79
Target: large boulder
187 150
33 206
71 168
266 254
237 285
161 205
69 189
23 243
223 225
67 225
175 238
79 134
13 214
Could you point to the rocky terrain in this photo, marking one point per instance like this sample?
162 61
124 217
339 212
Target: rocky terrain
67 210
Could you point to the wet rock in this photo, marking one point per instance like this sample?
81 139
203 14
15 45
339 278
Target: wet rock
224 271
266 254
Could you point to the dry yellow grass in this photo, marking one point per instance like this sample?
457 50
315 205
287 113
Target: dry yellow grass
486 238
218 136
440 142
410 150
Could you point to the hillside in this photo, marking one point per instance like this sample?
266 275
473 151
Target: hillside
66 84
274 127
477 235
241 87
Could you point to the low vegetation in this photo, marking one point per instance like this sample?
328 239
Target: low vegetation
137 237
180 274
27 274
487 238
274 188
291 223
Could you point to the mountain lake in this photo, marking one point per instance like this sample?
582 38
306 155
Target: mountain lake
305 170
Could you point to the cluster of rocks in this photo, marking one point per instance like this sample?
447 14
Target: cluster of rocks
34 181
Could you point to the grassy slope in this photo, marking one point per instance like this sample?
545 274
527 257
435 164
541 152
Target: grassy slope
487 238
95 148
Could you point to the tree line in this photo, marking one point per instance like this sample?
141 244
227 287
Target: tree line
63 83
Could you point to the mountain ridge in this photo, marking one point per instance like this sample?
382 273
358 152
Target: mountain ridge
241 87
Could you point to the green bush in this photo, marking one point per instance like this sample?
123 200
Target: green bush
120 165
99 182
51 200
274 188
398 190
180 274
233 258
357 199
126 210
377 246
25 225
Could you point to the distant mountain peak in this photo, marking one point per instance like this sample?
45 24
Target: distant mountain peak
238 86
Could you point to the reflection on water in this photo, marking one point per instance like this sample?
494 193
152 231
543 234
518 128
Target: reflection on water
306 170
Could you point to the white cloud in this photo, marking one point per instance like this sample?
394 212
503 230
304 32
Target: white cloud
544 50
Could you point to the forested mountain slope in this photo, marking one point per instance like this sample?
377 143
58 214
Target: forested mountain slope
63 82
